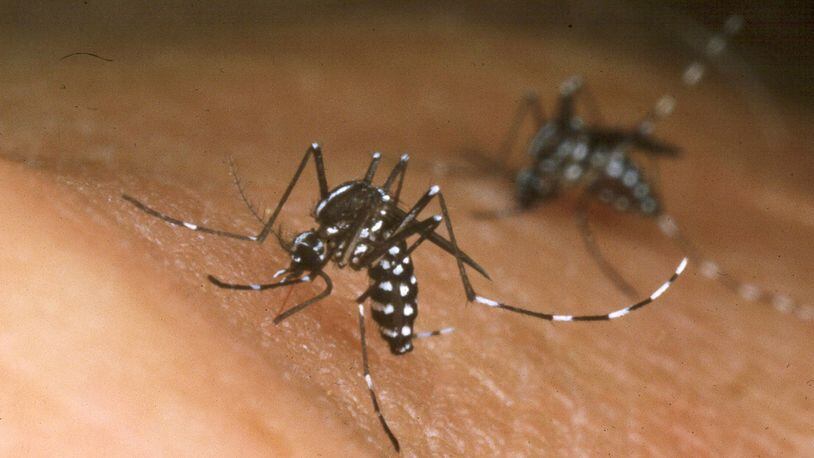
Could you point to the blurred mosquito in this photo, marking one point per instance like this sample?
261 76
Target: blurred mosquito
360 225
567 152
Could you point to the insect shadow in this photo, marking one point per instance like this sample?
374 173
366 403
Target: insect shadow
566 152
360 225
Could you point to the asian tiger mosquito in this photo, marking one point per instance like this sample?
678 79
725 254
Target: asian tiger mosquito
360 225
566 152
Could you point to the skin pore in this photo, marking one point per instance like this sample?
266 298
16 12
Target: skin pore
113 341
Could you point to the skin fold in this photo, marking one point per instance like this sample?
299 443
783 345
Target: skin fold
113 342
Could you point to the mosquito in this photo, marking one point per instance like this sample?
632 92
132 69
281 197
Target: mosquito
360 225
566 152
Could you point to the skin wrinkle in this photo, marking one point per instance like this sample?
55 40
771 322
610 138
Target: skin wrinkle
700 373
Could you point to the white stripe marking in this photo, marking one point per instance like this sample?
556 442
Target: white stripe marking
660 291
562 318
782 303
434 190
361 309
369 381
191 226
618 313
486 301
681 266
255 287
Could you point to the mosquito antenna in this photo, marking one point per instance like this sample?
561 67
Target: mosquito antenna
240 190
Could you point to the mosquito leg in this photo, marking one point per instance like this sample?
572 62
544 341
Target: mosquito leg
608 316
314 150
397 173
417 208
371 170
529 104
369 380
593 249
299 307
437 332
256 286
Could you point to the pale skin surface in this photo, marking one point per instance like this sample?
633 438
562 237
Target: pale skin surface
113 342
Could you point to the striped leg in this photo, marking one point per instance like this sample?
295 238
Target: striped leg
398 172
256 286
437 332
692 74
288 282
369 380
609 316
371 169
299 307
748 291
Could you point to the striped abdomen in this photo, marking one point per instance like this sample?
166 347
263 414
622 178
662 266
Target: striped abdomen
393 295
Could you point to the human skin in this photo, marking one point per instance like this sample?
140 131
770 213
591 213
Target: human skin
113 342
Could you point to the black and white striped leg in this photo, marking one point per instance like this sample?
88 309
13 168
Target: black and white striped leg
423 228
398 172
287 282
369 380
417 208
470 292
257 286
371 169
437 332
608 316
747 291
610 272
314 150
568 91
692 74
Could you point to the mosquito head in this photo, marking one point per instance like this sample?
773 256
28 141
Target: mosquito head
531 186
307 252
